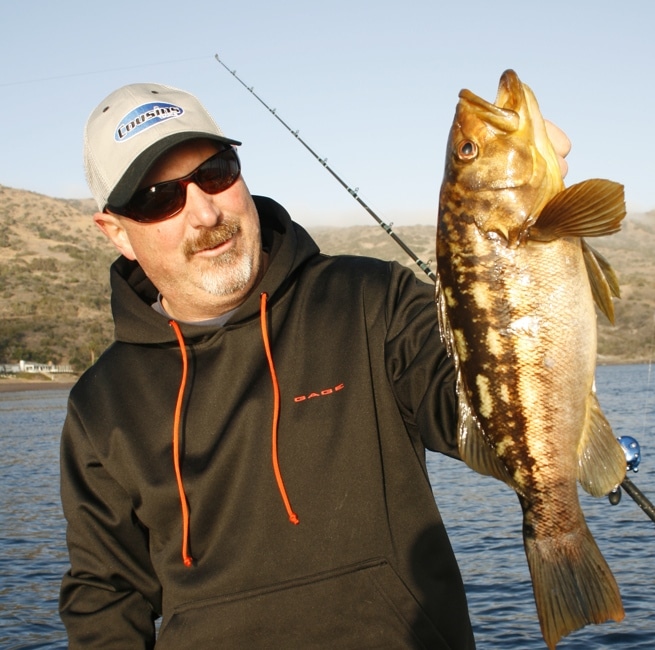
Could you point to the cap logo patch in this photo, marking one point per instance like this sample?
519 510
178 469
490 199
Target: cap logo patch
143 117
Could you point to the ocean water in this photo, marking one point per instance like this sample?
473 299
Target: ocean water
482 516
32 531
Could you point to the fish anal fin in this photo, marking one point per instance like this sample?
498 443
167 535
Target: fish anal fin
603 280
573 584
592 208
602 463
473 448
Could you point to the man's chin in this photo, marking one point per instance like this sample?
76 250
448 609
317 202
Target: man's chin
228 280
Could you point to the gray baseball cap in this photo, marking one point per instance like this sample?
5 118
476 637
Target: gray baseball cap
131 128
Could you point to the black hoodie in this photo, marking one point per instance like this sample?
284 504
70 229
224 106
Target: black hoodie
263 484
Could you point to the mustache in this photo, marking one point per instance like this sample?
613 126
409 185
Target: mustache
210 238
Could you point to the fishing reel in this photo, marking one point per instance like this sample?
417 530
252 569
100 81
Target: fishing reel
632 452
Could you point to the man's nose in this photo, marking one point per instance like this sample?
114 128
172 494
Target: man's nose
200 208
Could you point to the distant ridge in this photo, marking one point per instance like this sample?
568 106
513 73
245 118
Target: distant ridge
54 281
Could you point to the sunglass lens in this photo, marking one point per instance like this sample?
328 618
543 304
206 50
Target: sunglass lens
219 172
158 202
166 199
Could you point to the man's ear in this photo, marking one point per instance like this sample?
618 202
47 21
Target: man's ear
113 229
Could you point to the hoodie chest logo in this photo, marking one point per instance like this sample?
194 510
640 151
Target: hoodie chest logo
321 393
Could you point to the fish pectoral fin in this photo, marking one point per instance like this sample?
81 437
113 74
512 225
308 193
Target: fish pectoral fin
606 269
592 208
473 447
603 280
445 330
602 464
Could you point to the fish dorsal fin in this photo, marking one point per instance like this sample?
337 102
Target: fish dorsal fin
601 459
473 448
593 208
603 280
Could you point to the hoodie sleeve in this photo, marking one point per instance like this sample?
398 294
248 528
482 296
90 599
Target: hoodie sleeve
419 368
110 595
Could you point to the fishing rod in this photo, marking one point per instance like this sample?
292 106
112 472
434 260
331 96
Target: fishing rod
639 497
323 161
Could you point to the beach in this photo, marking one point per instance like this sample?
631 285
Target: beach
18 385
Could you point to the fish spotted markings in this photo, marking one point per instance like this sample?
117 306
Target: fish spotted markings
516 309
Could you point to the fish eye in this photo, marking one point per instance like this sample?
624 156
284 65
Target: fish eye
467 150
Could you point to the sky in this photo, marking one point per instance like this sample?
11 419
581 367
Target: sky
370 86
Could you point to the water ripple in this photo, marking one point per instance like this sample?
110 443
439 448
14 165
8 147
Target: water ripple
482 515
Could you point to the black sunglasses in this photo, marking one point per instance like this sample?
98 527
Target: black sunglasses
165 200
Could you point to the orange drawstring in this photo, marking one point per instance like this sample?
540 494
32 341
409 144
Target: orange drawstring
186 558
293 518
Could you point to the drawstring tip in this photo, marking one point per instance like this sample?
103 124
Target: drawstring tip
188 561
293 518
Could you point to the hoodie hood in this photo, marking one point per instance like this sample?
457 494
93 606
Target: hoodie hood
289 247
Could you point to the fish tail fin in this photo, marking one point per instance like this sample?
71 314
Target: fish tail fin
573 584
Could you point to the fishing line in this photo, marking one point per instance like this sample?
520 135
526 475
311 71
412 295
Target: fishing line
647 399
354 192
24 82
632 450
639 497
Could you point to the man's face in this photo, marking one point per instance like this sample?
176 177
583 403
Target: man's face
206 259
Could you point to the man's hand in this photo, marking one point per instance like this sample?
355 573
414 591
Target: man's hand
561 144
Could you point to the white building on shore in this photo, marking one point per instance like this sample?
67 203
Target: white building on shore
33 367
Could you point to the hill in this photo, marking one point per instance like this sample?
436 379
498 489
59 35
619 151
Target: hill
54 296
54 300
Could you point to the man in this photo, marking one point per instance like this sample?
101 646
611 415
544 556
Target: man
247 460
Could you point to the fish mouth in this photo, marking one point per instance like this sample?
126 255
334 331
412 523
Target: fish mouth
504 113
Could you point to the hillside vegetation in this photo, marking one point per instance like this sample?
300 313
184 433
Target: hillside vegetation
54 280
54 284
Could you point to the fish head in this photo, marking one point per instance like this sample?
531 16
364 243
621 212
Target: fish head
501 167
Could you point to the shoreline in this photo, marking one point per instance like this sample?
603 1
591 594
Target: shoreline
22 385
15 385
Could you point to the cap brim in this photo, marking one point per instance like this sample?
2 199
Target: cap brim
136 172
